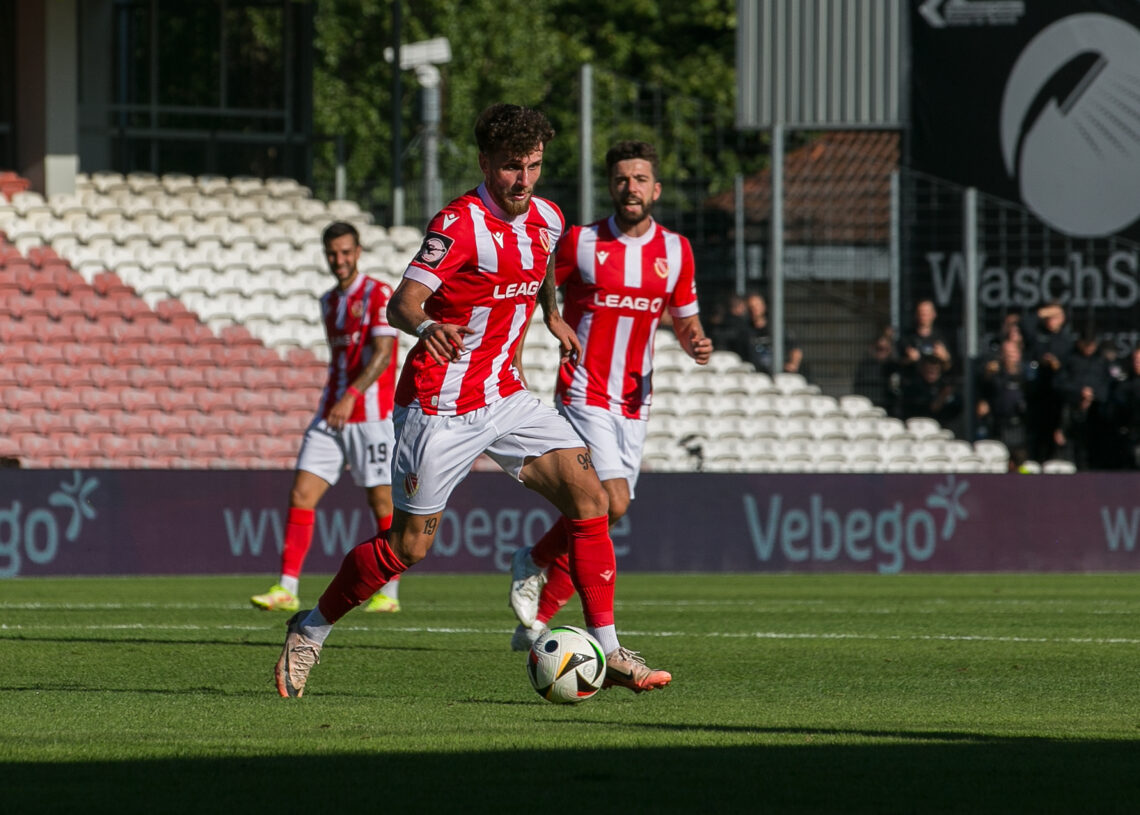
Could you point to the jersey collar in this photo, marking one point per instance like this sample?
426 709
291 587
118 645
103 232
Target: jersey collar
497 210
353 287
615 230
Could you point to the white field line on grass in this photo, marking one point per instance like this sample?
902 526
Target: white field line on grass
759 635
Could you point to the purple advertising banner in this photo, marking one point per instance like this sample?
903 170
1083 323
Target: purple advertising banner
110 522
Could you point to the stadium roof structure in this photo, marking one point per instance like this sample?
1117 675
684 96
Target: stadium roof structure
837 189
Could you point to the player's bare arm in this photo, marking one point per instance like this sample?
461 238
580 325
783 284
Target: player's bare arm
692 338
381 358
568 343
443 341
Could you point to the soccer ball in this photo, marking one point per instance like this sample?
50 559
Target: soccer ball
566 665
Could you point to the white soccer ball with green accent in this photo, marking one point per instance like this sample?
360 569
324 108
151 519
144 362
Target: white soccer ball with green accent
566 665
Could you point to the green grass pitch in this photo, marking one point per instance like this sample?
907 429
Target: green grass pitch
796 694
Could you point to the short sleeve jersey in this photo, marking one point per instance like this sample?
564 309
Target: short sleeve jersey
351 320
484 268
616 290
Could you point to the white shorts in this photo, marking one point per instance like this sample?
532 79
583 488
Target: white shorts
616 443
365 447
435 453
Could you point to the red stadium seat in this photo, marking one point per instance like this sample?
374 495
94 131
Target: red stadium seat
144 376
101 398
59 399
109 376
138 399
224 378
22 399
257 378
175 399
200 424
15 422
120 447
247 400
198 356
185 377
169 423
109 284
32 375
85 331
128 332
90 422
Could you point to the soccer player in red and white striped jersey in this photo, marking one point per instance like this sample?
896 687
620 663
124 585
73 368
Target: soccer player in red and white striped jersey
620 275
468 295
353 423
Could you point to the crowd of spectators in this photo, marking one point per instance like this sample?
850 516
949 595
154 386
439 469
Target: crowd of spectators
1043 389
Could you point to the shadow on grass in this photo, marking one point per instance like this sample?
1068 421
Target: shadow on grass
939 776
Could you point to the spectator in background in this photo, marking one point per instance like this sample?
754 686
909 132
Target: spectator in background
1048 340
924 339
759 349
877 374
729 326
1124 406
1006 396
927 391
1083 385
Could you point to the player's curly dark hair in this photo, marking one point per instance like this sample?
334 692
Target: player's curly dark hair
625 150
338 229
514 129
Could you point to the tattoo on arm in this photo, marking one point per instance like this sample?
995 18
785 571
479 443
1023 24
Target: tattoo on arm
584 460
546 293
430 525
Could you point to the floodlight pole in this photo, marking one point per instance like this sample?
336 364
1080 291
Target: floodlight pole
397 110
776 261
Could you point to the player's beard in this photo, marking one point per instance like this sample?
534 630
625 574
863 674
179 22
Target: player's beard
515 208
625 220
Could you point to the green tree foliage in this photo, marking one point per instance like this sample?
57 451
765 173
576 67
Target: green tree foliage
664 71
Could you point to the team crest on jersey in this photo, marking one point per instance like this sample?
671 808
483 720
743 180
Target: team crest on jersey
411 484
434 249
357 309
661 266
544 238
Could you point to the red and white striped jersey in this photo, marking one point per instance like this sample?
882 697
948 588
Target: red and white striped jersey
484 268
352 319
616 289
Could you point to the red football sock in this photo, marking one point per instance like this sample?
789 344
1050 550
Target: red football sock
555 542
558 590
593 568
298 536
364 570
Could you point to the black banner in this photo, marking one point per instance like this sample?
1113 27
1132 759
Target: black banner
1036 103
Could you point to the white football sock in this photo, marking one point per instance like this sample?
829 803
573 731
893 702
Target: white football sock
391 590
316 627
606 635
290 584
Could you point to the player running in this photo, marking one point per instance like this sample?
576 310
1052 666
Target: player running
619 275
468 295
353 424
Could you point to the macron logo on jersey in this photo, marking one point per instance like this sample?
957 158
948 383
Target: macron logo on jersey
498 236
602 257
448 220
